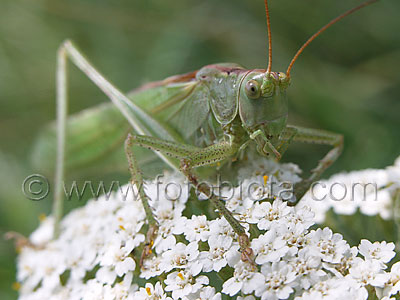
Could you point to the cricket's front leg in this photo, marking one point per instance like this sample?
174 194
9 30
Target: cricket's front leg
317 136
286 138
137 179
167 147
190 158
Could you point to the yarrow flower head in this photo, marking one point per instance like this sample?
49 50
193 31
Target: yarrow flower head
369 191
196 255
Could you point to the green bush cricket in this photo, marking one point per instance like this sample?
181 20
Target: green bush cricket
190 120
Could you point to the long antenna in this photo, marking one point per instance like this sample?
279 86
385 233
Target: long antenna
350 11
269 38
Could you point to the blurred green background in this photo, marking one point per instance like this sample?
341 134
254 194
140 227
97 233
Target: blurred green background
347 81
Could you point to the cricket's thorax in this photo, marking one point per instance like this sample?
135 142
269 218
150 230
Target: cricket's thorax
222 82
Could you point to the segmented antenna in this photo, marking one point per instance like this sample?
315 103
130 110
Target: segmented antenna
350 11
269 38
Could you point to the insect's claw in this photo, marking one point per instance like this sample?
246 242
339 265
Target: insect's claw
248 256
247 253
147 250
145 253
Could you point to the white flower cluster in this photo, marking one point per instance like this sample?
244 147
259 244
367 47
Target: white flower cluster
197 256
371 191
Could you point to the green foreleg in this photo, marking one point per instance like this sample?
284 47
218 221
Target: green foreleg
192 157
287 137
209 155
137 179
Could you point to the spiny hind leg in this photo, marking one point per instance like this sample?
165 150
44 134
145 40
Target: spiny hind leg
317 136
68 51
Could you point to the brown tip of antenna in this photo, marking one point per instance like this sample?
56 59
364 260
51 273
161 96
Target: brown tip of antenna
269 38
335 20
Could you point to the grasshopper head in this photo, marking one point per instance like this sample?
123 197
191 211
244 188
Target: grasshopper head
262 95
263 106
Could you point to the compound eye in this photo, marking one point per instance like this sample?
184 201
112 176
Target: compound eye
253 90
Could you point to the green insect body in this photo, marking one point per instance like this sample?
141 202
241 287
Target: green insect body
208 103
189 120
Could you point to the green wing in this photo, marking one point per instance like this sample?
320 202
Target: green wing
92 135
183 106
95 136
189 115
